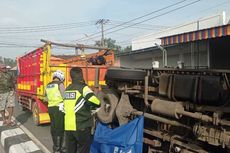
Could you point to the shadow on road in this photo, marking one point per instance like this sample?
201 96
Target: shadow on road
24 116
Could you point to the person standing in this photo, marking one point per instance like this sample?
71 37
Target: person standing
7 95
78 102
11 98
54 93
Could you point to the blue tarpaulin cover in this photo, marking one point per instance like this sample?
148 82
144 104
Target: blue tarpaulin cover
127 138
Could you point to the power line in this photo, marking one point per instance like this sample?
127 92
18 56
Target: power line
37 30
208 9
136 18
140 27
157 16
43 28
18 46
49 26
176 27
127 42
6 44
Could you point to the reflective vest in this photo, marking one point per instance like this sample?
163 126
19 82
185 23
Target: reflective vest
53 94
73 102
70 104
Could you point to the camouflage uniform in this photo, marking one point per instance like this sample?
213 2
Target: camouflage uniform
7 94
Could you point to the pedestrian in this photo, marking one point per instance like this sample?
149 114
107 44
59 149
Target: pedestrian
55 93
7 95
78 102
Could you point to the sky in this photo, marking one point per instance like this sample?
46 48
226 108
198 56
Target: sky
24 22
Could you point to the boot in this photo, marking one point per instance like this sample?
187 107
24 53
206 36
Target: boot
56 144
63 144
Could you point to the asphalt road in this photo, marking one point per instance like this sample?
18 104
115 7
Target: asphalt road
42 132
2 149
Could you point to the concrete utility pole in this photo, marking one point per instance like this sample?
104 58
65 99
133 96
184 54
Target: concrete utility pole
102 22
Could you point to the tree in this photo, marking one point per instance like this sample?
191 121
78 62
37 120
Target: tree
127 48
110 43
8 61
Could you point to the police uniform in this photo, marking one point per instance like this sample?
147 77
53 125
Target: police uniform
54 96
78 102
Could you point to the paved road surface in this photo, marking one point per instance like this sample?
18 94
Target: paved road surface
42 133
2 149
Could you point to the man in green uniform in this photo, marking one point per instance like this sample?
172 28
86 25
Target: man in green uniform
78 102
54 93
7 95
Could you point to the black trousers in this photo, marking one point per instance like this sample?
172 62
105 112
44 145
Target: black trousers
78 141
56 121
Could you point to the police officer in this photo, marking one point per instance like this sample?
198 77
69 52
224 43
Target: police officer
78 102
54 93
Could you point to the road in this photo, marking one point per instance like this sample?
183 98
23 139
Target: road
2 149
42 132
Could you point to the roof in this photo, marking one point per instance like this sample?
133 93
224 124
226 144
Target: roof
212 32
149 49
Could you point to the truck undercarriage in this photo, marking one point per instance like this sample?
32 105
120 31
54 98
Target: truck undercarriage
184 110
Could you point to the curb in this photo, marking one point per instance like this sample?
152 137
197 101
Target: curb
17 139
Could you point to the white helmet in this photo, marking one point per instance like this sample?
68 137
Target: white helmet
59 74
8 67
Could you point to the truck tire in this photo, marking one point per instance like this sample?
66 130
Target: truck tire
35 112
109 100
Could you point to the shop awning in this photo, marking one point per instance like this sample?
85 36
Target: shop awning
213 32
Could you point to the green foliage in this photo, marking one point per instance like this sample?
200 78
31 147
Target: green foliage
111 43
127 48
8 61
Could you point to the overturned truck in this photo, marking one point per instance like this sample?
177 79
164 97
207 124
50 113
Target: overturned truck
184 110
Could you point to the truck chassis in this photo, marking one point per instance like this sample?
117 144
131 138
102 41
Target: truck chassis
184 110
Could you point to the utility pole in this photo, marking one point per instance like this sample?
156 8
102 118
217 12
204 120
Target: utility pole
102 22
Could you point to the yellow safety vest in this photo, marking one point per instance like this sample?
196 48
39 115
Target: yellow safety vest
73 102
71 98
53 94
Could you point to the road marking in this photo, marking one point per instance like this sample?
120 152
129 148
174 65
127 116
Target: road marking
32 144
32 137
28 146
10 133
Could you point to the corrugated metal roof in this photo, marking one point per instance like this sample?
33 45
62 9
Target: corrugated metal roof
213 32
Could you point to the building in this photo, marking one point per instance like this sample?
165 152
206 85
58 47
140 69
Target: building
200 44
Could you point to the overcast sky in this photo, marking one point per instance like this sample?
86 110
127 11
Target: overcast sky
24 22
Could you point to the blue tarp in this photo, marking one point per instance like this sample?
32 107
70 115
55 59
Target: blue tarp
127 138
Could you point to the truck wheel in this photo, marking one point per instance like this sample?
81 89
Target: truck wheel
35 113
109 100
